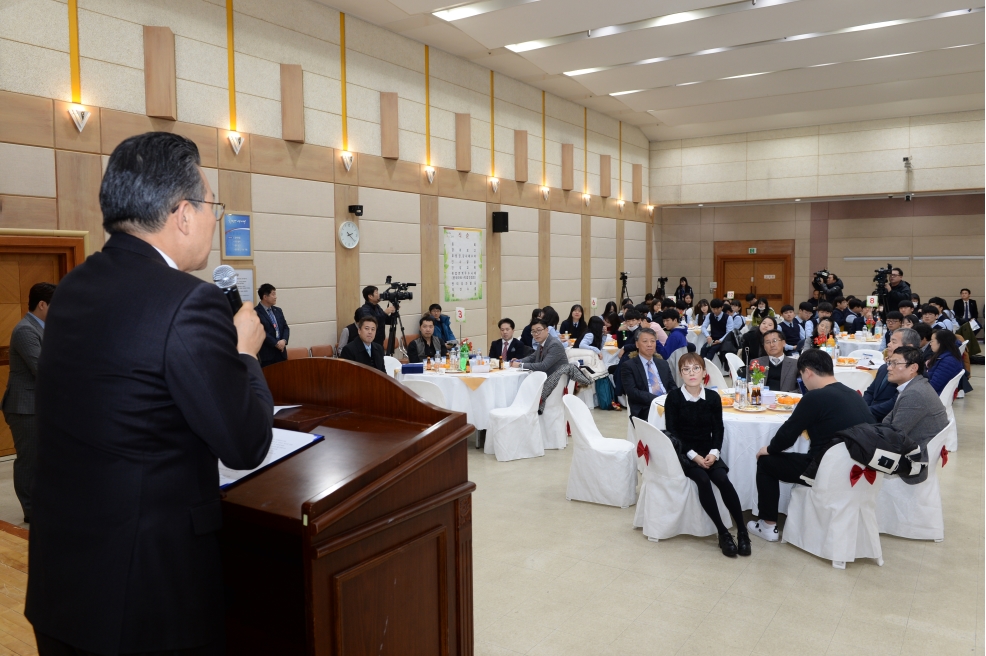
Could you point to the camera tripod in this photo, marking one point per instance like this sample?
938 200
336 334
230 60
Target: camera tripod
394 321
624 294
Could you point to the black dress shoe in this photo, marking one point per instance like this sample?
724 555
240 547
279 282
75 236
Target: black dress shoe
27 520
743 543
727 545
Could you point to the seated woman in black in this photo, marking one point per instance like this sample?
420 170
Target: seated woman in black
693 415
753 338
575 324
525 336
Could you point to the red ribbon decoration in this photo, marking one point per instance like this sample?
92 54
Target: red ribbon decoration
705 381
857 471
944 456
642 450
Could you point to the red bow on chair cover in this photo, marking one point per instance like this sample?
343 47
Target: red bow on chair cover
858 471
944 456
642 450
705 381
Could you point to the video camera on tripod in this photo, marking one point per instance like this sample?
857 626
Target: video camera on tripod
880 280
394 294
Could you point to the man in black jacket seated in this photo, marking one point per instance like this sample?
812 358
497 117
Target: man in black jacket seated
145 381
516 349
646 376
828 407
427 345
365 350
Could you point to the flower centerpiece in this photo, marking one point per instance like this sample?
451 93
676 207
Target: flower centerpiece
467 345
758 373
819 341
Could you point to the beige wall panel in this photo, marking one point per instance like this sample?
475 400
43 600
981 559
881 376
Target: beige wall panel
462 186
788 167
463 142
404 267
295 268
233 189
391 206
681 232
782 188
454 212
315 334
569 246
35 71
889 245
26 120
389 139
605 176
27 170
112 86
288 232
429 250
931 157
544 257
718 172
519 244
948 225
947 133
564 223
522 220
387 237
871 228
672 216
515 267
28 212
398 175
277 157
520 156
682 250
713 154
752 213
520 293
565 293
745 231
280 195
956 177
713 192
782 148
347 262
603 227
292 103
305 305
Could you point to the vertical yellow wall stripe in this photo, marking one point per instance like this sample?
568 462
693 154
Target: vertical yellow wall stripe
492 142
73 50
544 146
231 65
427 106
620 162
585 150
342 69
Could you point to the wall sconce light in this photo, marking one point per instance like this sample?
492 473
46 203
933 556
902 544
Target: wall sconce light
586 198
80 115
620 204
544 193
650 210
347 160
235 141
430 172
495 184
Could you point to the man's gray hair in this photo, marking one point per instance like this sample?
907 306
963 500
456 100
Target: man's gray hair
909 337
647 331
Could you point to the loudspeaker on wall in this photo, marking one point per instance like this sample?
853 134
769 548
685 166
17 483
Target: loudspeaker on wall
500 223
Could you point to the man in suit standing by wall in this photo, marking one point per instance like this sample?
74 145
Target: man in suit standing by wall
275 348
145 382
646 376
365 350
18 400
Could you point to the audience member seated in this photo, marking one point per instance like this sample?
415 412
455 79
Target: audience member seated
682 308
905 308
626 336
677 335
752 341
595 336
965 308
853 320
915 300
575 324
714 329
611 308
525 335
443 324
823 330
693 416
918 412
825 311
611 325
893 323
840 306
761 311
929 316
550 316
924 332
946 361
910 320
549 357
348 333
514 347
793 332
827 408
646 376
427 345
945 316
806 320
816 298
689 303
701 311
371 307
782 372
882 393
682 289
365 350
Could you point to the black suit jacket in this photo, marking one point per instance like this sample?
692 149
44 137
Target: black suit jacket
517 349
635 384
269 353
140 392
958 309
355 351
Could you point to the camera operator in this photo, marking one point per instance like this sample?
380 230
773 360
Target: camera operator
828 284
371 307
897 289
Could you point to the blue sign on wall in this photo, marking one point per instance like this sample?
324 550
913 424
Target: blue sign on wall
237 237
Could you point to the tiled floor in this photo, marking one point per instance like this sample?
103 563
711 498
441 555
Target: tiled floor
561 577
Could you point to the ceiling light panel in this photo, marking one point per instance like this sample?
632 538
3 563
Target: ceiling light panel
730 30
477 9
916 36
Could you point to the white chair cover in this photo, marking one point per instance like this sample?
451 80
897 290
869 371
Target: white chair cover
856 379
668 503
430 392
834 519
514 432
875 356
716 378
392 365
603 470
914 511
947 396
962 347
552 420
735 363
673 363
654 416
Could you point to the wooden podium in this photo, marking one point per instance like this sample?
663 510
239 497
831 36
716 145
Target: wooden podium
361 543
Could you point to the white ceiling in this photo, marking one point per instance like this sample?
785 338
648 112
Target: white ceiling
831 72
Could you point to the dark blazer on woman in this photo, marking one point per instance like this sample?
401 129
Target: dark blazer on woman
753 340
696 424
575 331
140 393
943 371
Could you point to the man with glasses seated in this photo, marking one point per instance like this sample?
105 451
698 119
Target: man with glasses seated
782 372
881 395
549 357
918 412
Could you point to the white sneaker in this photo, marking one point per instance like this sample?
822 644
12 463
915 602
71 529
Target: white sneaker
763 530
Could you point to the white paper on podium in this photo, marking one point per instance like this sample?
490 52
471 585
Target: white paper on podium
278 408
283 444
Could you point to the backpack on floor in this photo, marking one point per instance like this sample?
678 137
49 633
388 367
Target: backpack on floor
604 393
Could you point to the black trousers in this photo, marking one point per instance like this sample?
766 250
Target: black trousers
24 429
771 470
710 351
48 646
704 478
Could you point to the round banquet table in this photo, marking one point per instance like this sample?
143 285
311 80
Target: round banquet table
744 435
498 390
847 346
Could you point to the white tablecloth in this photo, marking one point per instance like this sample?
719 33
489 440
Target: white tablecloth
847 346
696 337
744 435
498 391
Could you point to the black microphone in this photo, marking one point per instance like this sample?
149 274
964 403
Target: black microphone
225 278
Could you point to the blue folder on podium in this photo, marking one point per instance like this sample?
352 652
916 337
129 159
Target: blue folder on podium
283 444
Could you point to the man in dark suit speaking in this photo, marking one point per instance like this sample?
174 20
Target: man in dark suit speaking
145 382
275 347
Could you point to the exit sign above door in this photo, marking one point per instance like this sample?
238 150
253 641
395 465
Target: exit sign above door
752 251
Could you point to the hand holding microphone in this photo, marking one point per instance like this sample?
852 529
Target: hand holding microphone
249 331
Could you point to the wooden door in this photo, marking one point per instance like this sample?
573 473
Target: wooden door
738 277
770 283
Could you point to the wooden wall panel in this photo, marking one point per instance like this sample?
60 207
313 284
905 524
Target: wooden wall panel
116 126
568 166
26 120
429 251
160 80
291 160
520 155
638 183
586 260
68 137
463 142
458 184
392 174
649 262
389 137
544 257
494 301
28 212
78 176
348 297
620 237
292 103
235 191
605 176
519 193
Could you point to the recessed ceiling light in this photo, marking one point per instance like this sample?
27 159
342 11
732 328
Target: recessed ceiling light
797 200
701 205
477 8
